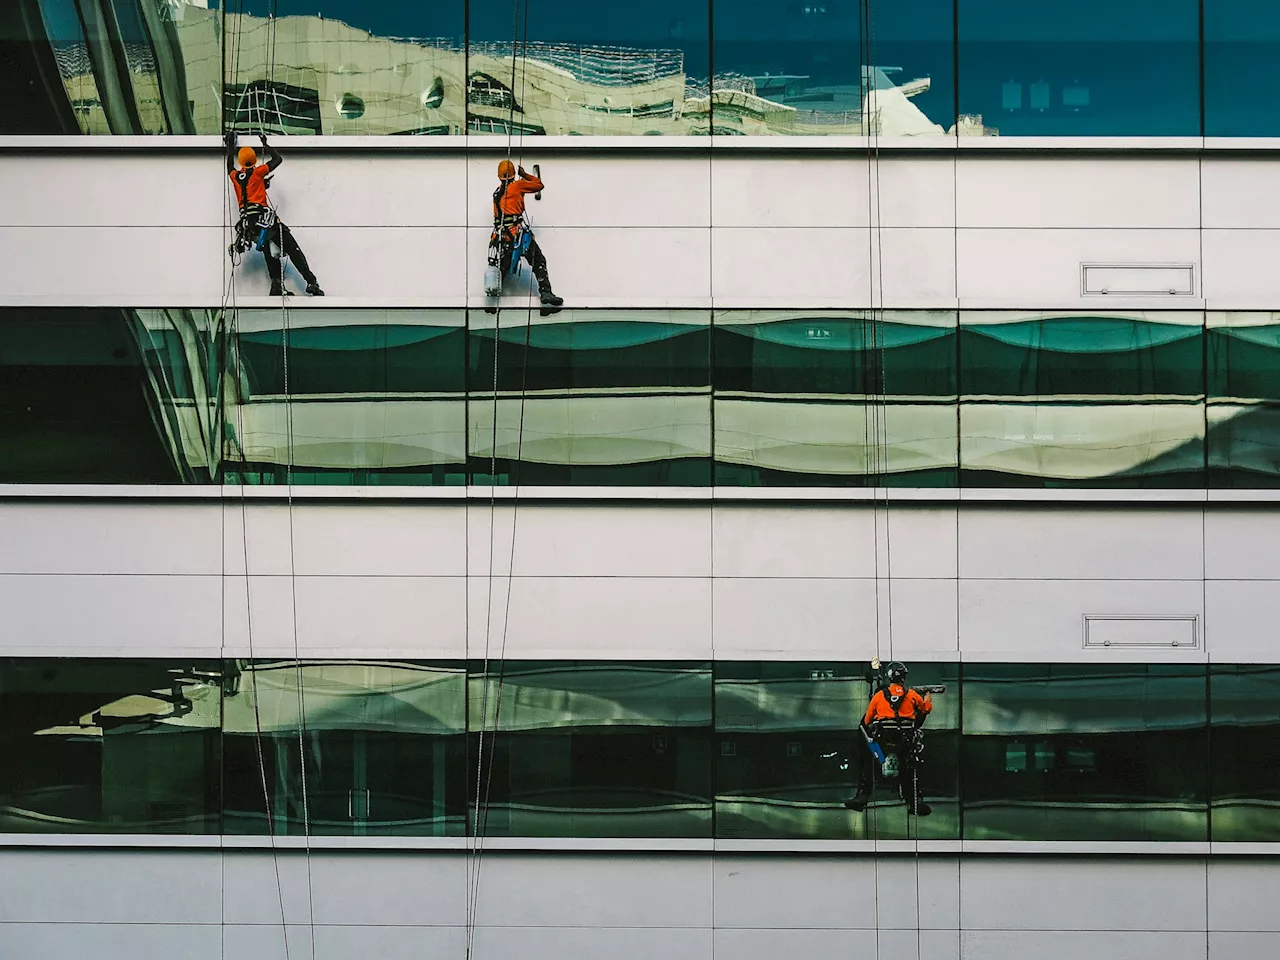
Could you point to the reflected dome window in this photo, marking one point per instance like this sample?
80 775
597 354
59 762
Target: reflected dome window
435 96
350 107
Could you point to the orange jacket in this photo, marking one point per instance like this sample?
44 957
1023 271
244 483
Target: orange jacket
250 185
508 200
910 704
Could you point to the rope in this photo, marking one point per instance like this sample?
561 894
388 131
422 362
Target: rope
484 778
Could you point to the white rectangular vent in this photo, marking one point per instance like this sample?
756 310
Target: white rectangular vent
1121 631
1138 279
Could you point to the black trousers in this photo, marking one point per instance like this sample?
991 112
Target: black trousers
282 236
534 257
908 777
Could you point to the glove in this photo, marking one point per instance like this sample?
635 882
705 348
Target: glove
262 138
229 140
523 175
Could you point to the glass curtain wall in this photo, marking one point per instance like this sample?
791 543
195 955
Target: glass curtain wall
1244 399
934 68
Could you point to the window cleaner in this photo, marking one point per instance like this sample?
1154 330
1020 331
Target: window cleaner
892 728
259 226
512 239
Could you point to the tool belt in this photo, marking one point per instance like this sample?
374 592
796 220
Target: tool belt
254 227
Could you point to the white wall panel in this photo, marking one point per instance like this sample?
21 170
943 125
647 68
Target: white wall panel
258 534
104 191
373 540
1077 192
557 943
1096 945
795 619
267 888
924 624
1242 193
1240 620
1239 269
790 892
379 265
921 542
268 942
915 267
1226 946
157 538
1241 544
1033 268
1003 893
110 614
1242 896
782 541
335 190
419 616
1102 543
1039 620
649 618
113 266
600 890
791 267
588 191
370 889
384 943
257 616
135 941
606 267
581 540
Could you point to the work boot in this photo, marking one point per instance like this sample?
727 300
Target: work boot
278 290
922 809
313 290
858 803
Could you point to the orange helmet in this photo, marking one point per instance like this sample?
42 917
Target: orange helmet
506 170
247 157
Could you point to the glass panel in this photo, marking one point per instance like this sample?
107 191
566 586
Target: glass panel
1241 43
798 398
1072 752
1244 399
587 68
789 754
109 746
1079 399
384 745
338 67
1246 740
77 398
592 749
591 397
1088 68
788 68
374 397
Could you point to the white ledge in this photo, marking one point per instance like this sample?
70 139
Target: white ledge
464 845
724 494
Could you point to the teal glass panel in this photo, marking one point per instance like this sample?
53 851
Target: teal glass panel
591 749
110 746
584 68
789 754
1086 69
590 397
345 67
382 746
1074 752
815 69
1241 44
30 50
89 396
1068 400
821 398
1245 740
1244 399
372 397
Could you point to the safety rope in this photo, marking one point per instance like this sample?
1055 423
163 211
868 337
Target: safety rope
484 777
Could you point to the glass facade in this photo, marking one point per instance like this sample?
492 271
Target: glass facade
731 749
678 398
674 67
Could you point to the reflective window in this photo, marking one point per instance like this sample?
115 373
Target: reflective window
79 394
1074 400
1244 399
789 754
373 397
109 746
1087 68
591 397
338 67
1241 43
1073 752
383 745
1246 737
788 68
587 68
832 399
592 749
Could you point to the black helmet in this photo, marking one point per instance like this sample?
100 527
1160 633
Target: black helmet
896 672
